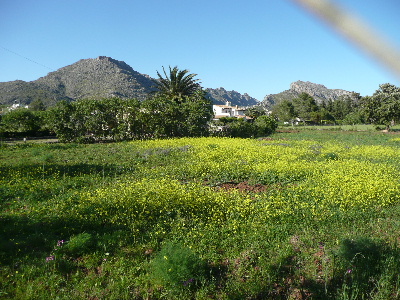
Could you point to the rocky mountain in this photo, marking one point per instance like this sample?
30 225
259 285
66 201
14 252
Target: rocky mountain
318 91
23 92
221 96
101 77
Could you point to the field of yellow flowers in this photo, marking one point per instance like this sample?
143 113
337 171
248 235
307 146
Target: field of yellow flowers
310 215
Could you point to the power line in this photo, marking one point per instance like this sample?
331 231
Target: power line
35 62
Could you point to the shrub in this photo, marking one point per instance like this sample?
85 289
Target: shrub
265 125
235 127
79 244
177 266
240 128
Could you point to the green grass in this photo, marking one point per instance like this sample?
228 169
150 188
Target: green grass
355 127
314 215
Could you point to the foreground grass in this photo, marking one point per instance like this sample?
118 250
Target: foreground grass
306 215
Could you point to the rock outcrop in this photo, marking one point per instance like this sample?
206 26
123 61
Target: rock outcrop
221 96
318 91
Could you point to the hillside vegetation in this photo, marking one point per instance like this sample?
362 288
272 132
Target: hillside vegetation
306 215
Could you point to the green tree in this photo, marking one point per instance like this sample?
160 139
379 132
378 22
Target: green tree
284 111
226 120
21 120
255 112
321 115
92 120
164 117
383 107
178 108
129 125
182 109
176 84
161 117
353 118
265 125
305 106
100 117
240 128
66 122
343 106
197 114
37 105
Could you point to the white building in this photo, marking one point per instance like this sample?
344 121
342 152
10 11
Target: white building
228 110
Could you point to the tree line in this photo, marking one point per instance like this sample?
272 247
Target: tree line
382 108
178 108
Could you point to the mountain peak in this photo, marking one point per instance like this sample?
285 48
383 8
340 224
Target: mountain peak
101 77
302 85
96 78
221 96
318 91
118 63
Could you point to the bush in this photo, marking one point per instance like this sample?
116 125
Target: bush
22 122
79 244
177 266
235 127
240 128
265 125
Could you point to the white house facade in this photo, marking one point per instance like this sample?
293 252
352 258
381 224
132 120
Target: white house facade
228 110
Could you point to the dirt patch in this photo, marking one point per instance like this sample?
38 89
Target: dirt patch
243 186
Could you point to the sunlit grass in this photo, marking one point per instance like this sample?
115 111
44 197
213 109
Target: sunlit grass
355 127
89 221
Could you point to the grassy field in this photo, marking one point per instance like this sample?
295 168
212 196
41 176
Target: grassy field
356 127
297 215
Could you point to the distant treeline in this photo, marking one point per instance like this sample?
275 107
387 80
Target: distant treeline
167 115
382 108
119 119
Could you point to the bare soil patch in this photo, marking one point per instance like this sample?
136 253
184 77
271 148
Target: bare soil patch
243 186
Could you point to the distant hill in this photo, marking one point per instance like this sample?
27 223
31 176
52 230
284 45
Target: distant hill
318 91
25 92
221 96
101 77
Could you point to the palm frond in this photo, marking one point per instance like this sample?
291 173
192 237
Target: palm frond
177 84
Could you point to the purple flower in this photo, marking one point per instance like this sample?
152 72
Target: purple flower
349 271
60 243
187 282
49 258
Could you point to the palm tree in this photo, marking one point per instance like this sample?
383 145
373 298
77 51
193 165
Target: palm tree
177 84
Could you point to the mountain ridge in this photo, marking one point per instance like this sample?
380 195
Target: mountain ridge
95 78
318 91
105 77
100 77
221 96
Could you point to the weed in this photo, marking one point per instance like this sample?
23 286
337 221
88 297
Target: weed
177 267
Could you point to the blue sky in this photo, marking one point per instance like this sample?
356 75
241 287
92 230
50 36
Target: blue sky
255 46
